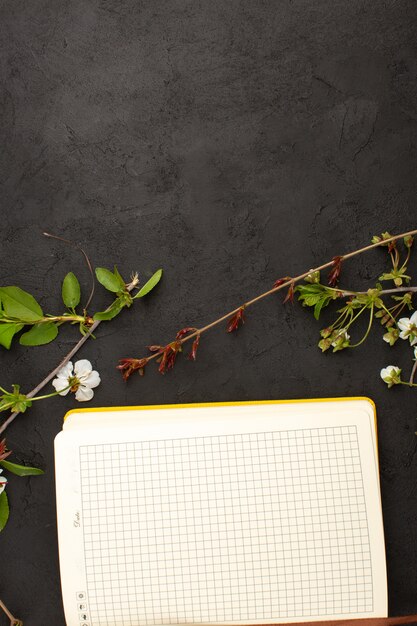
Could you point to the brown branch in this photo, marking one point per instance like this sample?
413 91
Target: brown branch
413 373
383 292
14 621
292 281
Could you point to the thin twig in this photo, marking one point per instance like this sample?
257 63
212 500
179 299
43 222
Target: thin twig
413 372
14 621
87 260
55 371
383 292
288 283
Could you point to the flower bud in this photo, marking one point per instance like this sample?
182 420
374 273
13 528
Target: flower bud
313 277
391 375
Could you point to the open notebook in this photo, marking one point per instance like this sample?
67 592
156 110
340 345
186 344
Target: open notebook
243 513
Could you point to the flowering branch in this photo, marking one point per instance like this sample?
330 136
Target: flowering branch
235 317
30 395
18 308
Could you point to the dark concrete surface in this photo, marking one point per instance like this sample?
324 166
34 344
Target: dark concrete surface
230 143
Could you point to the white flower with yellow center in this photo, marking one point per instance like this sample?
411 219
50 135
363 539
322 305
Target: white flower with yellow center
81 379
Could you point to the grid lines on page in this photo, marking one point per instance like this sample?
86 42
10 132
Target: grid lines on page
220 528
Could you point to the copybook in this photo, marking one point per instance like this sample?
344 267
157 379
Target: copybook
224 513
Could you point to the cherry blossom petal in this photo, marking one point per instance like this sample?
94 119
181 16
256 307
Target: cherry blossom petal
403 324
413 319
92 380
84 394
61 385
82 368
66 371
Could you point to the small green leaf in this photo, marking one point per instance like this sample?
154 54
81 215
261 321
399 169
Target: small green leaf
111 312
7 332
39 335
15 401
318 307
21 470
150 284
20 304
4 510
117 274
71 292
112 282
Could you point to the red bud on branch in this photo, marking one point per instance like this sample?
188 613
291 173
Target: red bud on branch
236 320
193 354
334 273
128 366
4 453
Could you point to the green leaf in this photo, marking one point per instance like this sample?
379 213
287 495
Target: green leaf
318 307
111 312
150 284
7 332
21 470
20 304
311 300
117 274
39 335
112 282
4 510
14 401
71 292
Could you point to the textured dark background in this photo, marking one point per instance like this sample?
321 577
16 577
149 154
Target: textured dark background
230 143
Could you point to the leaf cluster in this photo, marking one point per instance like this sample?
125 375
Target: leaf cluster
19 309
113 282
317 296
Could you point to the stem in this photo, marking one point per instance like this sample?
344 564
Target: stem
44 320
413 372
55 371
402 382
63 318
340 322
407 258
87 260
371 317
383 292
50 395
355 317
397 257
292 281
389 313
13 620
7 406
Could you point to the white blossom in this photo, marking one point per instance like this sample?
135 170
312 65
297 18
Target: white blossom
81 379
391 375
408 328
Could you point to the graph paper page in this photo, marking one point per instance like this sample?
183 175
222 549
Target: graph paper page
260 515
